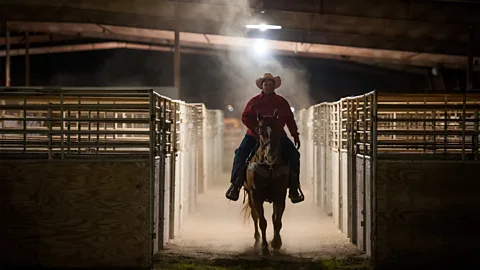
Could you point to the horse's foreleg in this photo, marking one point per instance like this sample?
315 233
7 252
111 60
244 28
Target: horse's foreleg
278 209
255 221
263 225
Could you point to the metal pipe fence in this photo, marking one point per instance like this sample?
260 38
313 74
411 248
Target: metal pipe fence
437 126
181 142
74 123
350 135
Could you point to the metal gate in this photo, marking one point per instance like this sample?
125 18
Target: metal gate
123 149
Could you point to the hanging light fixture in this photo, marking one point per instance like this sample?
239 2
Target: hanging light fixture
263 27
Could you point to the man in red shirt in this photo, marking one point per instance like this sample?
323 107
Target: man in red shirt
265 104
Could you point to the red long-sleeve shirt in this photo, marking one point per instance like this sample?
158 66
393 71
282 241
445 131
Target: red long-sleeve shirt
266 105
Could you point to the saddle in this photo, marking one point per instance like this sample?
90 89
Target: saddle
260 170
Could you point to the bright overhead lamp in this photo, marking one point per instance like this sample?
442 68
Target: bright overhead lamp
263 26
260 46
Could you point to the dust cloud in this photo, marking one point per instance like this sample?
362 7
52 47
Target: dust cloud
241 67
217 228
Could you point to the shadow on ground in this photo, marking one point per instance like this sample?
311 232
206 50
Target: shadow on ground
251 260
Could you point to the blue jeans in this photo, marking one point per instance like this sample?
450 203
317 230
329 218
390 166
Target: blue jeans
290 155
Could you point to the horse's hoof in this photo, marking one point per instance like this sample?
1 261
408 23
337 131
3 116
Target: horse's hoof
265 251
257 244
276 245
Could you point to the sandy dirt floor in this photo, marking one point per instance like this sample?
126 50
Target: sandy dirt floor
217 230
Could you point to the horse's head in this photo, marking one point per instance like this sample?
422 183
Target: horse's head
269 137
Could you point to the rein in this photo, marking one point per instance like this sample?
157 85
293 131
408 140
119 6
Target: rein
274 162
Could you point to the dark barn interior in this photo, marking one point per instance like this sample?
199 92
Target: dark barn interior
119 121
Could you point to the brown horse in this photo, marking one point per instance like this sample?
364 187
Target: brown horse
267 180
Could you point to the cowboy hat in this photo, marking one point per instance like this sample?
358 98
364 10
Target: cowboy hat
268 76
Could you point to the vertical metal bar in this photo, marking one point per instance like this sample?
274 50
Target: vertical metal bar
355 140
162 165
364 186
164 137
434 128
349 169
464 118
79 127
98 127
152 167
168 127
69 138
89 126
24 124
27 59
161 179
124 125
357 122
115 125
425 127
339 127
105 115
7 55
415 116
158 132
62 135
396 125
339 165
476 135
445 128
408 124
365 136
373 162
173 136
50 155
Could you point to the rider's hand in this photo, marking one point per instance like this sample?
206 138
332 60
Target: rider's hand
297 142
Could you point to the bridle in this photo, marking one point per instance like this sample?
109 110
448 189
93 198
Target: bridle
265 161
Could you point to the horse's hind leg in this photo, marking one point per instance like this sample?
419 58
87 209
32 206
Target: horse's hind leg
255 221
278 209
263 226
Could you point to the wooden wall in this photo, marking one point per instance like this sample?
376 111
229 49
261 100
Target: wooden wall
75 214
426 212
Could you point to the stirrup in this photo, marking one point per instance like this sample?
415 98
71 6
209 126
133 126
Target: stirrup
233 193
299 198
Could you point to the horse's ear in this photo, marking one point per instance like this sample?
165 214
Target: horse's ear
275 115
259 116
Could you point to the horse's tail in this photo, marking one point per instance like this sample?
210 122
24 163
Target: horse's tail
246 210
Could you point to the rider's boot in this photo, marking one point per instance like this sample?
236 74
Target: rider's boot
233 192
295 192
